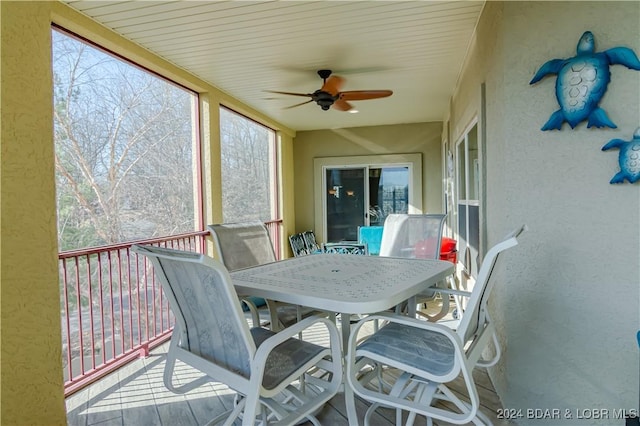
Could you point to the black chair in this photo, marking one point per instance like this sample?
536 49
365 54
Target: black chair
297 245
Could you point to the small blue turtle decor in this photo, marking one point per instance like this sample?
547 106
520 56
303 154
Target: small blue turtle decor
629 158
582 81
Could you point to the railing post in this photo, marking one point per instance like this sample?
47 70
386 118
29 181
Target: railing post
143 352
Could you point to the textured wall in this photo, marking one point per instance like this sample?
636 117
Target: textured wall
31 369
395 139
568 308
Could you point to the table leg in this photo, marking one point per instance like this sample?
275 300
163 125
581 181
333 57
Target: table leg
412 306
349 397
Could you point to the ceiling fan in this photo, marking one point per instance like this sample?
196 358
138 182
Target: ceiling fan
329 95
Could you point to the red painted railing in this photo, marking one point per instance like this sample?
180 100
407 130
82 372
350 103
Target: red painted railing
112 308
275 231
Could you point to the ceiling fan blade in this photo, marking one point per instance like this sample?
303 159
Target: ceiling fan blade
342 105
361 95
289 93
333 85
297 105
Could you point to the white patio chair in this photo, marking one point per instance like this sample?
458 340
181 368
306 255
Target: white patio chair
265 368
427 356
416 236
412 235
245 244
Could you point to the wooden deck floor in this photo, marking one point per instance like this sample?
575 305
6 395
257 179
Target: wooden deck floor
136 395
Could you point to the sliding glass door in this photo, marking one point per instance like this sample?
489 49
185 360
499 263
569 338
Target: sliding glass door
362 196
362 191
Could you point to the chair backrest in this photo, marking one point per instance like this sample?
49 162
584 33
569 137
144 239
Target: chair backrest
241 245
372 237
206 307
412 235
475 316
345 248
297 245
310 242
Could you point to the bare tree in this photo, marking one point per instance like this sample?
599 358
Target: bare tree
245 168
123 149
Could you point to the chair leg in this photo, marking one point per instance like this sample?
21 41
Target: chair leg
229 416
170 365
481 419
251 409
367 416
273 315
255 316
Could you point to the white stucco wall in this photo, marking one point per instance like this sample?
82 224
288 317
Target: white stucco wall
567 308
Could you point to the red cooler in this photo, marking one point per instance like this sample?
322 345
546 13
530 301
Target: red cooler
448 250
425 249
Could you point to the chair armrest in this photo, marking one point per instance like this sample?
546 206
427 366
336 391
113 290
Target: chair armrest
268 345
454 292
409 321
253 309
294 330
460 358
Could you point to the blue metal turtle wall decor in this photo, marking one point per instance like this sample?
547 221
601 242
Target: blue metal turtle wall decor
629 158
582 81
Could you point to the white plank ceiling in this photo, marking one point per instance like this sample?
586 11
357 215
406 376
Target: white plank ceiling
415 48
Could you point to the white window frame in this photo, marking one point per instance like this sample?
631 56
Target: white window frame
460 198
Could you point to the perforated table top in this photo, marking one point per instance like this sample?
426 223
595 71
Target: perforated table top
340 282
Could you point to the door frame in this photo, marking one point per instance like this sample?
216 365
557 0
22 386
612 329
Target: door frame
412 160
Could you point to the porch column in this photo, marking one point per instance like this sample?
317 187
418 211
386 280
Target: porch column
31 367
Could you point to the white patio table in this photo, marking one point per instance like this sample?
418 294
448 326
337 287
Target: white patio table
347 284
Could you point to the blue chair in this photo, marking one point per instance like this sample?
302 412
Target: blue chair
372 237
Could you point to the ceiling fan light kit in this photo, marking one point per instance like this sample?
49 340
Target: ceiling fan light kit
329 95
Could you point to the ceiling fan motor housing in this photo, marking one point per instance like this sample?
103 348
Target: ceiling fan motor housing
324 99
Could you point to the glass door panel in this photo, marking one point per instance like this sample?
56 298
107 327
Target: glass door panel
345 203
388 193
473 164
